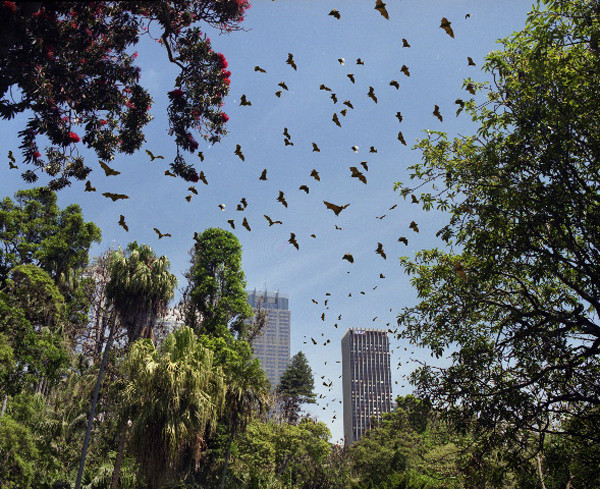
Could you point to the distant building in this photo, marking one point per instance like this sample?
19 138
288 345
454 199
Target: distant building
366 380
272 347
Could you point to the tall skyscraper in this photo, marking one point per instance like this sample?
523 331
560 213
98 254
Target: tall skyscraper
366 380
272 347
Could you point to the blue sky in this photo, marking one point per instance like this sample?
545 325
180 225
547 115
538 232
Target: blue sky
437 64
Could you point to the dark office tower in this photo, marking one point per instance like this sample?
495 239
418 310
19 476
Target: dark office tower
272 347
366 380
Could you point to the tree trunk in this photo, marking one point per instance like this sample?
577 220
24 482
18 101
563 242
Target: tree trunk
114 484
88 431
4 401
538 461
228 452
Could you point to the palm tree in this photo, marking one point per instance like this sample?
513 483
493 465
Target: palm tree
247 390
173 395
140 288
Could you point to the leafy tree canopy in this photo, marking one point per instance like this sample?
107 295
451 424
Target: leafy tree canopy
217 285
33 229
515 301
140 288
296 386
72 65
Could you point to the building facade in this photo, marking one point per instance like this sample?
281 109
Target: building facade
272 347
366 380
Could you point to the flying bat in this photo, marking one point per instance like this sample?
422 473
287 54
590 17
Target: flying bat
258 68
244 100
405 70
334 13
348 257
351 77
231 223
122 222
335 208
271 221
88 187
343 112
401 138
445 24
341 61
12 161
169 174
238 152
334 98
373 149
281 199
305 188
188 198
263 175
470 88
222 207
380 7
115 197
283 85
108 170
470 61
402 239
293 241
356 173
290 61
436 112
405 43
324 87
201 155
316 148
360 62
152 157
193 190
246 225
399 116
355 149
287 142
413 225
278 93
380 251
395 84
347 103
161 235
364 165
371 94
202 178
315 175
335 119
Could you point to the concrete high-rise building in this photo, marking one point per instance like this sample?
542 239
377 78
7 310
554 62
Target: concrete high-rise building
272 347
366 380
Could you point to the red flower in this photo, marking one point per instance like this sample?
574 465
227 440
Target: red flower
12 6
227 81
37 154
224 117
225 73
222 60
103 122
176 93
74 138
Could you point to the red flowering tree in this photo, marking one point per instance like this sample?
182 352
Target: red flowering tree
70 64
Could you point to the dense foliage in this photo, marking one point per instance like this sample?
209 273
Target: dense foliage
515 300
296 387
72 65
